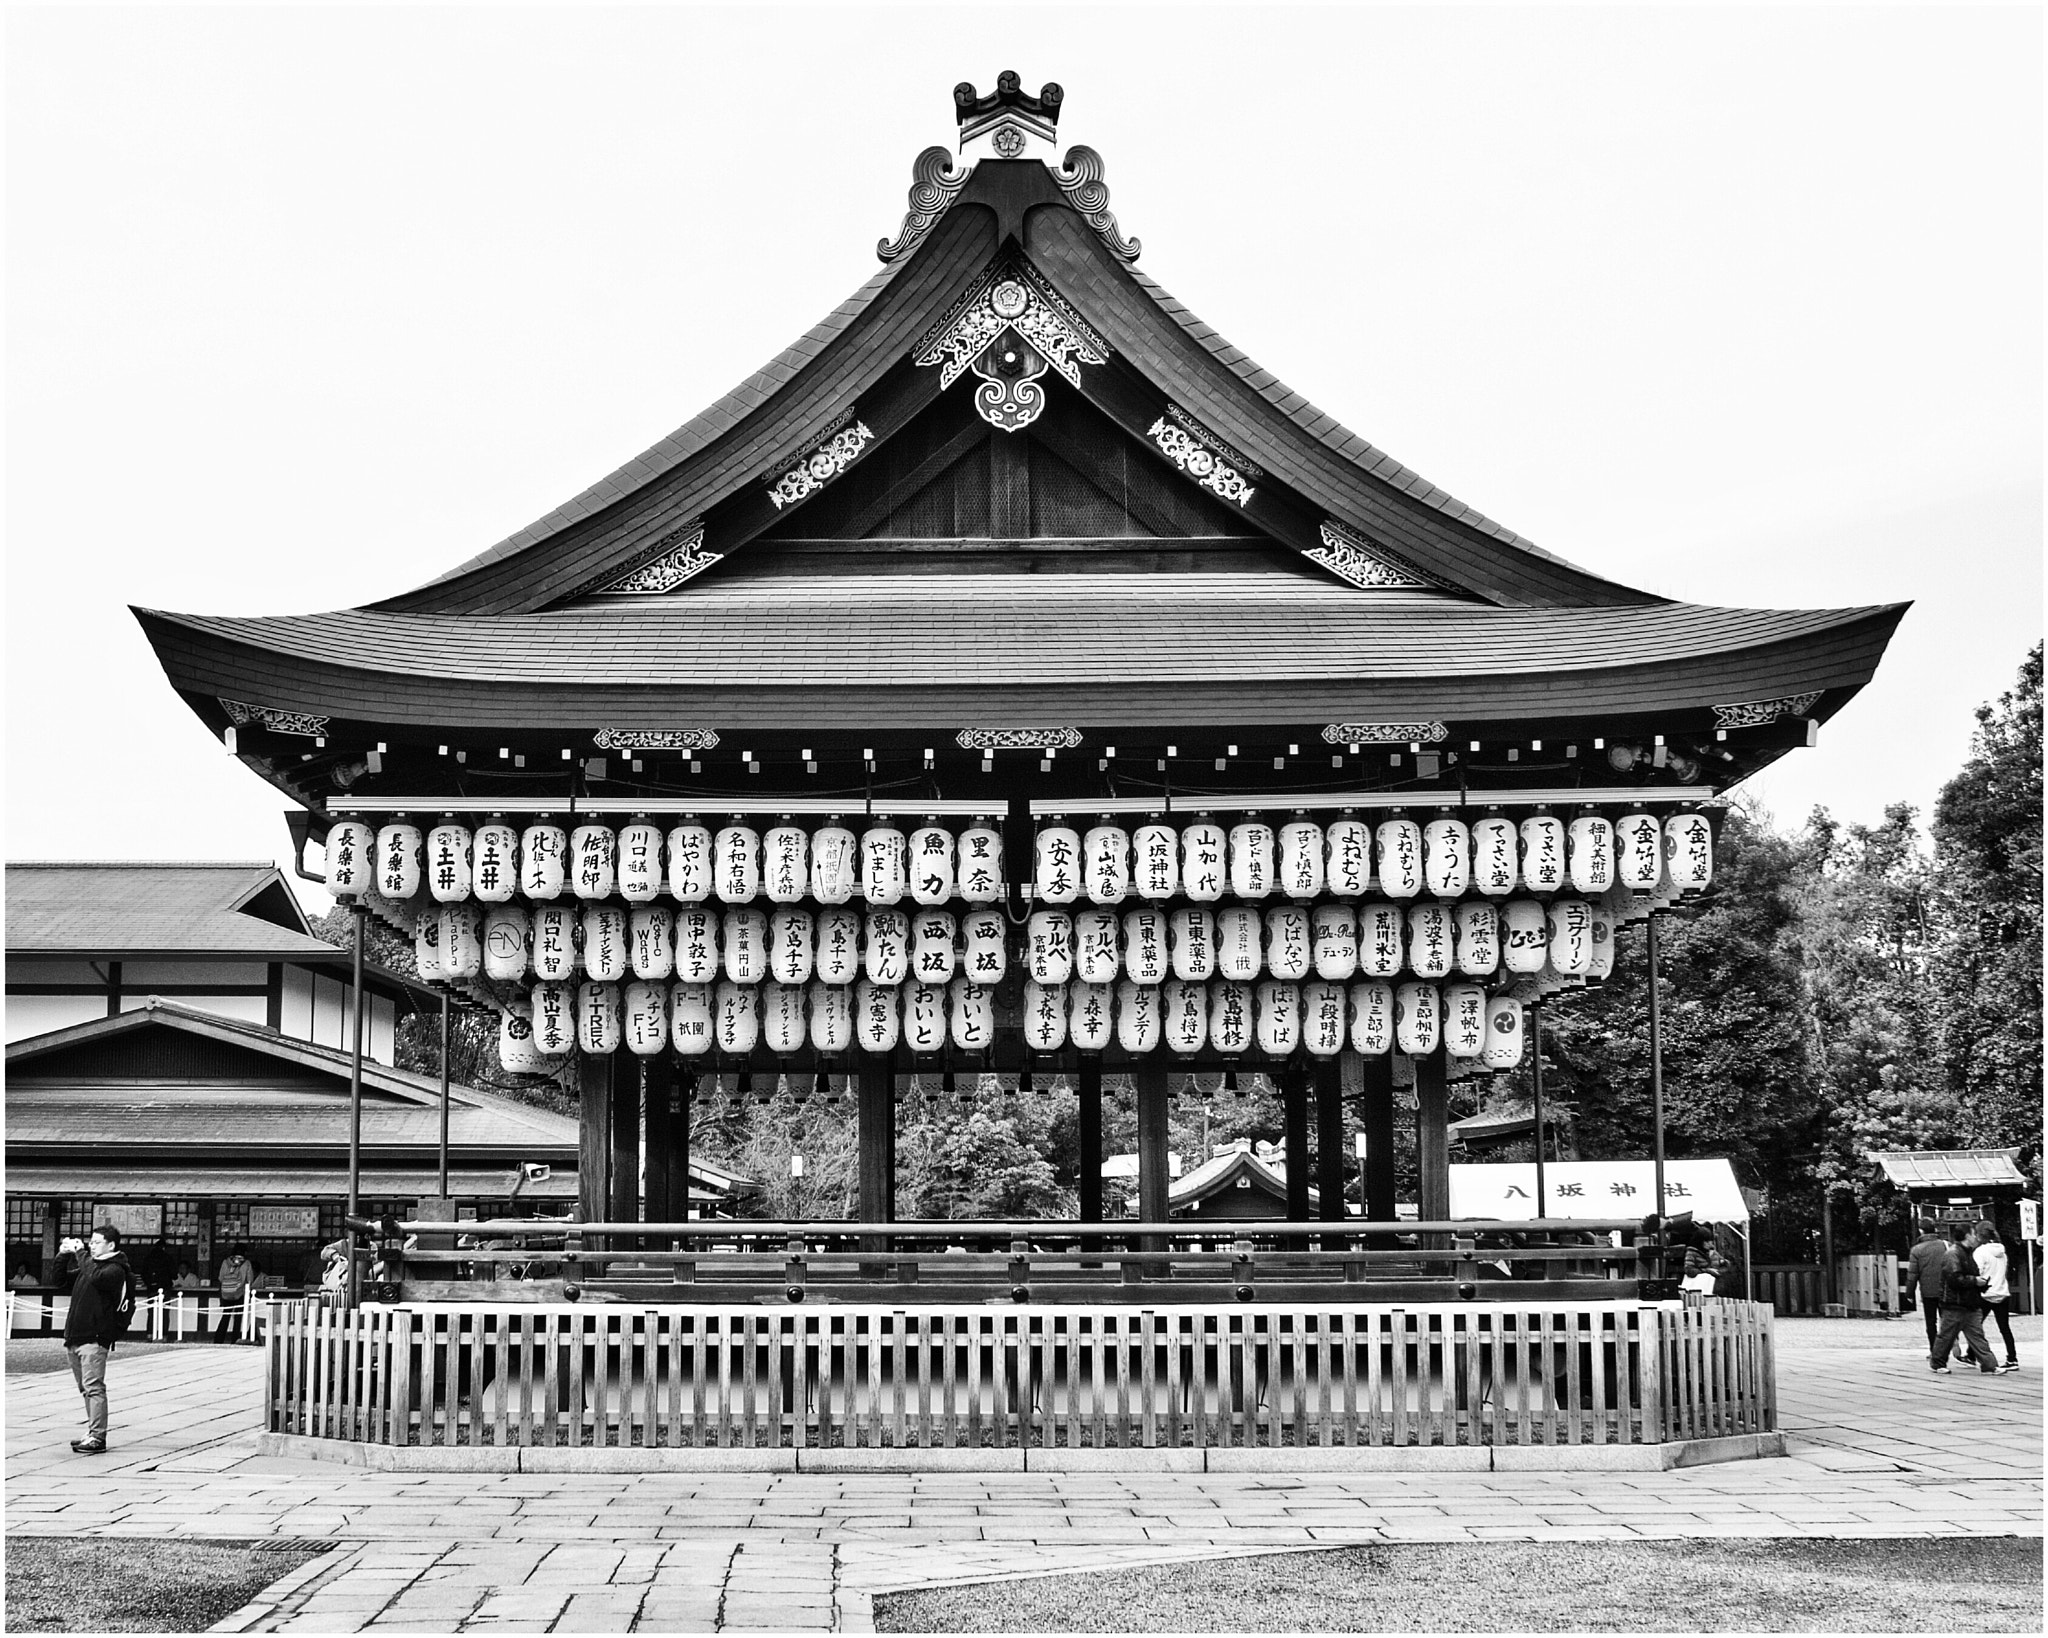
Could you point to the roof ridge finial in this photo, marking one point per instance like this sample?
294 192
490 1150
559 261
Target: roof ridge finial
1008 115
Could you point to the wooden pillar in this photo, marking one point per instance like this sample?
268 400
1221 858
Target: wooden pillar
1329 1084
657 1097
1433 1135
1153 1140
594 1137
876 1118
625 1172
1090 1079
1294 1102
685 1081
1379 1138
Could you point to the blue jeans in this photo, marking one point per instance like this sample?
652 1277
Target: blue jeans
1970 1323
89 1371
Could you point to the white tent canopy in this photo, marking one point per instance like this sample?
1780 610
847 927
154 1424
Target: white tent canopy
1599 1188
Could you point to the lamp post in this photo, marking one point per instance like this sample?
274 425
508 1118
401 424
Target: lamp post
1536 1095
1657 1093
444 1091
357 911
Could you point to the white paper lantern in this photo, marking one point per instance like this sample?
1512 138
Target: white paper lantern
884 855
640 876
554 1019
605 950
736 864
426 946
1049 946
1347 858
791 954
651 936
1430 934
924 1017
1464 1024
1097 954
1525 936
448 856
739 1018
831 1017
1446 857
400 858
351 859
970 1015
1144 941
689 864
1090 1016
689 1019
1056 864
1333 932
1591 841
646 1018
1202 873
599 1022
744 934
979 872
985 957
782 1018
1543 853
1301 859
885 947
1193 939
494 863
1279 1021
1184 1015
1638 851
1571 937
877 1019
1106 863
1689 852
1137 1017
1322 1018
1240 942
1230 1015
593 861
1382 939
934 956
834 865
1044 1016
462 940
517 1054
1504 1033
838 955
554 943
785 864
1252 863
931 864
1418 1019
1601 940
543 867
1400 863
1478 927
1496 856
505 935
1289 952
1155 869
696 945
1372 1018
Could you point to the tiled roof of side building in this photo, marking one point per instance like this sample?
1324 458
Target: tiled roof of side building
94 905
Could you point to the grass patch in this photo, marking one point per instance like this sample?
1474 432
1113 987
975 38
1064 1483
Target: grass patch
40 1356
1920 1585
135 1584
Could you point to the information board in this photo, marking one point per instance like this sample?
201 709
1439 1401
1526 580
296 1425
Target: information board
284 1222
135 1222
2030 1219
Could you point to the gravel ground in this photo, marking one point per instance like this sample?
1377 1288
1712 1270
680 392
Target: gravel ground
1967 1584
121 1584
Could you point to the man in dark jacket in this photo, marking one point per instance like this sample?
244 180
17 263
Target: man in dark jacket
1923 1276
96 1322
1962 1293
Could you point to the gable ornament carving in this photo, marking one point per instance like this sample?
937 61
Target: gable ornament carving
678 556
821 466
935 182
1017 739
1349 557
1385 733
1757 713
242 714
1201 455
655 739
1080 179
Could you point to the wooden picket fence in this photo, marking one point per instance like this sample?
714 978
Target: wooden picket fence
942 1378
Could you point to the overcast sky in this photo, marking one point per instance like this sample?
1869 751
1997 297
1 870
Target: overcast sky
306 305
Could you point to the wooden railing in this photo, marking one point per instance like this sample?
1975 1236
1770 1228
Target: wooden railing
1791 1288
939 1377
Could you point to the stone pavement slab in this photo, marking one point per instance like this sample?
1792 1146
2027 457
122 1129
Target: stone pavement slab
1876 1446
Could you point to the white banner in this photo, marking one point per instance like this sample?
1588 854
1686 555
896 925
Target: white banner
1599 1188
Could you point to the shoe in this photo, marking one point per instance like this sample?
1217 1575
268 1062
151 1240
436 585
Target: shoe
2009 1366
1940 1370
89 1447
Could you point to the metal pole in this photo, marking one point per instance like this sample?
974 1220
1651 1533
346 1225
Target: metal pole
357 912
1657 1093
1536 1096
444 1093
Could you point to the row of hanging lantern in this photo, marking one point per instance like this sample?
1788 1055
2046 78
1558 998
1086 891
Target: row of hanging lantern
1399 859
1275 1017
1332 941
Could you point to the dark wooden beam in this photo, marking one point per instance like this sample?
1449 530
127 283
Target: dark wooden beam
875 1117
594 1136
1433 1136
1379 1138
657 1098
1088 1085
1154 1180
625 1166
679 1146
927 471
1294 1101
1009 499
1329 1085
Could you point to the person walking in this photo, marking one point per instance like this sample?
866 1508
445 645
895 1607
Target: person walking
1994 1266
102 1301
1923 1275
1962 1291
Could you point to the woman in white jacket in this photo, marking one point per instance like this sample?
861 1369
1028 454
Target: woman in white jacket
1993 1266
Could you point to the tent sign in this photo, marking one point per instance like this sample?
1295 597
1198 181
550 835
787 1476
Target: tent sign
1599 1188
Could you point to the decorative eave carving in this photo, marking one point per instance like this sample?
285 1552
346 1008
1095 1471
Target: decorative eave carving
1758 713
655 739
1349 557
1385 733
242 714
1201 455
1080 179
935 182
1018 739
1010 296
821 466
676 557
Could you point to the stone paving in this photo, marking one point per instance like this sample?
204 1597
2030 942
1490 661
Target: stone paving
1877 1446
